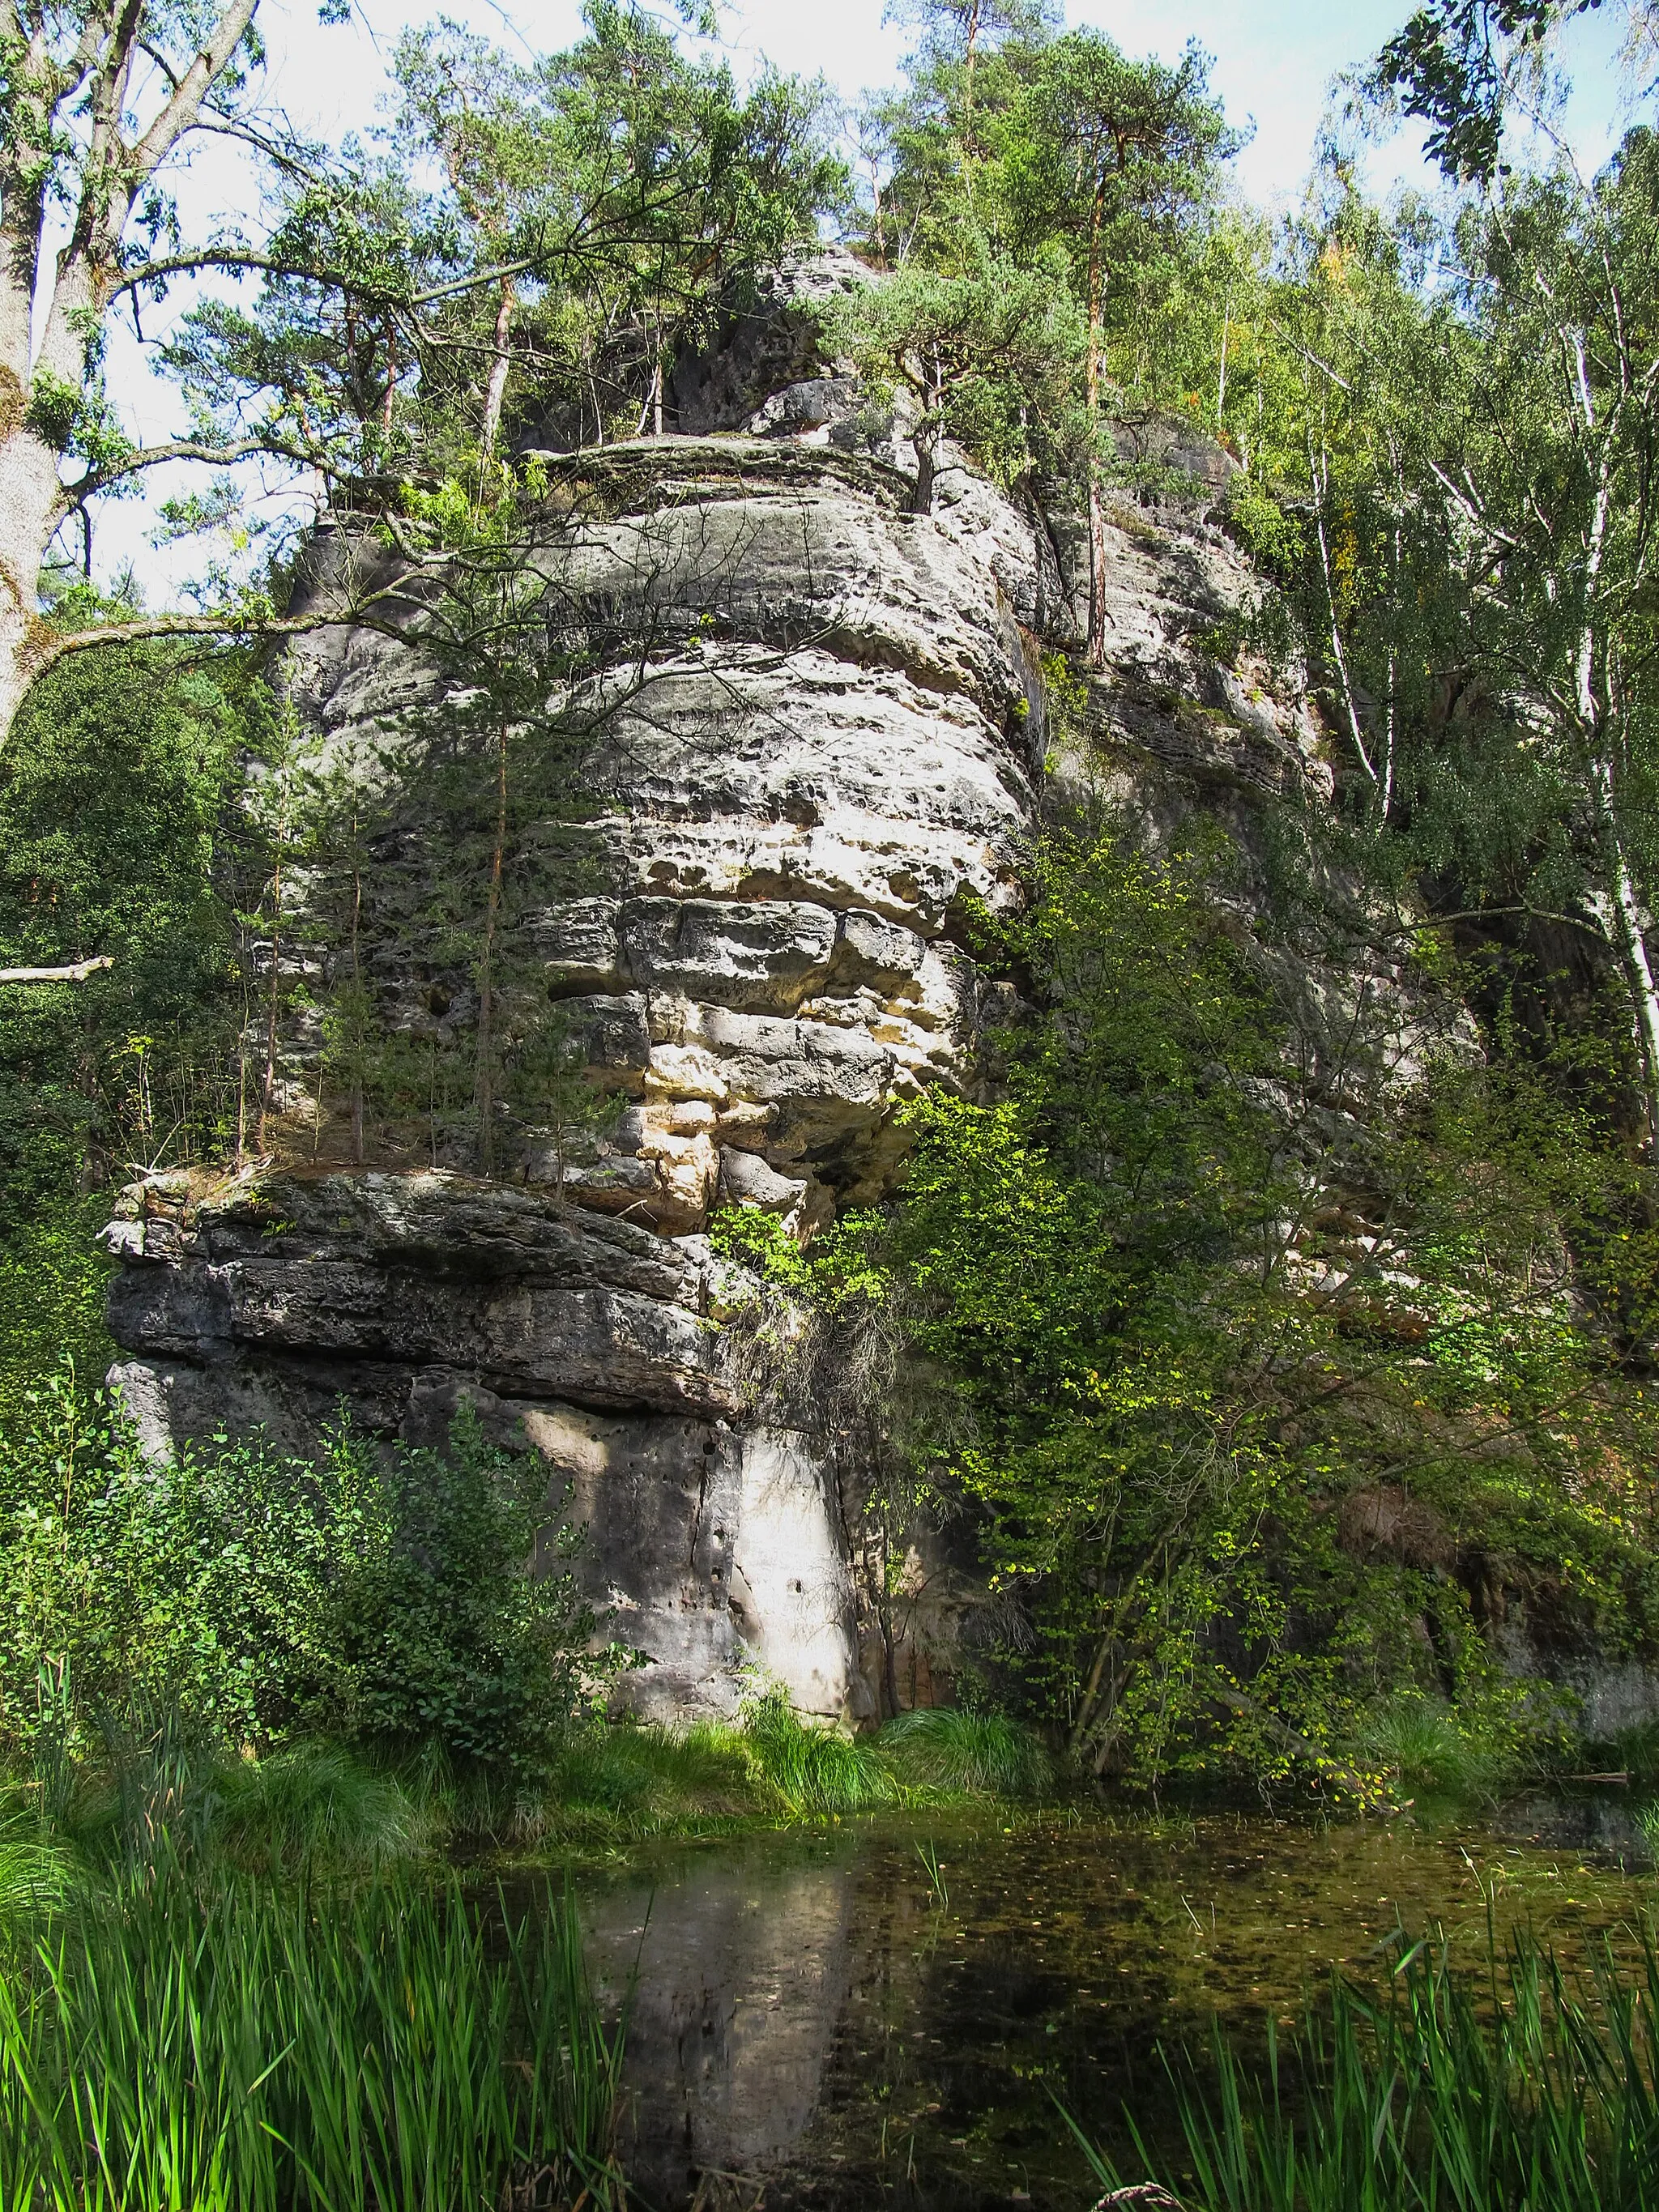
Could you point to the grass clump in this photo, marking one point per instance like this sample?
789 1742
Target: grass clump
1522 2086
981 1754
813 1769
628 1780
1633 1751
314 1806
186 2036
1420 1743
37 1868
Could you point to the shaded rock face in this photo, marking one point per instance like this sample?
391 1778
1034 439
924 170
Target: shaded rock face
823 733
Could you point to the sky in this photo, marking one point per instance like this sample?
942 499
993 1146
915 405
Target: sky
1273 63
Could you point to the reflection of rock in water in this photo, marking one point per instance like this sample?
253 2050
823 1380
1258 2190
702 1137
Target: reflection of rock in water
742 1971
1605 1822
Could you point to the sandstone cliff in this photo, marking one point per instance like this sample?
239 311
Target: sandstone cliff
823 730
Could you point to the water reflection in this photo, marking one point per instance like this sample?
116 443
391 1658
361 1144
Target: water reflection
809 2018
741 1963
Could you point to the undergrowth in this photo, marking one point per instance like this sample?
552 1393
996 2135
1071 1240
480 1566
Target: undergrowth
319 1810
1422 1745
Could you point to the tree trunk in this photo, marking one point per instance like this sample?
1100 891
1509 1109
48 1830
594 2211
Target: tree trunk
268 1076
76 971
105 175
1091 390
357 992
968 102
29 500
496 389
1621 896
925 442
484 1091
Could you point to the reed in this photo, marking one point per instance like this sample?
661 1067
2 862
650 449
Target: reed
1523 2089
217 2042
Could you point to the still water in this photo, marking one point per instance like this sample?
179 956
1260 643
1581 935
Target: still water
817 2022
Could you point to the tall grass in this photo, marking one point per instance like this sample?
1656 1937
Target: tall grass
315 1807
987 1754
224 2043
1421 1743
638 1779
1524 2090
813 1769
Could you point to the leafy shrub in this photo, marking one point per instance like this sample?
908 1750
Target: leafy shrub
383 1595
948 1748
447 1638
1122 1375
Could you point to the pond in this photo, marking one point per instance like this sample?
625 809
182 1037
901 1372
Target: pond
822 2020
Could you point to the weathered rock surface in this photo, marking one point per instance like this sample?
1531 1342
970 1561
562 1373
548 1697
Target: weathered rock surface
822 733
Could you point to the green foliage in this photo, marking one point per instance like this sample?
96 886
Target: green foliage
219 2043
949 1747
1454 61
448 1638
1521 2085
1163 1360
1109 155
116 840
52 1284
987 353
836 1270
585 213
386 1595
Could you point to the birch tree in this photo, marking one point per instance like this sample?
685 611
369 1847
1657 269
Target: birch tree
96 98
1546 484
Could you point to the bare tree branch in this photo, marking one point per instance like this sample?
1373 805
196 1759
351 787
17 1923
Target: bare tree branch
77 972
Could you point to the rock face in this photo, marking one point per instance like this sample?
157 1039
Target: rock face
823 732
